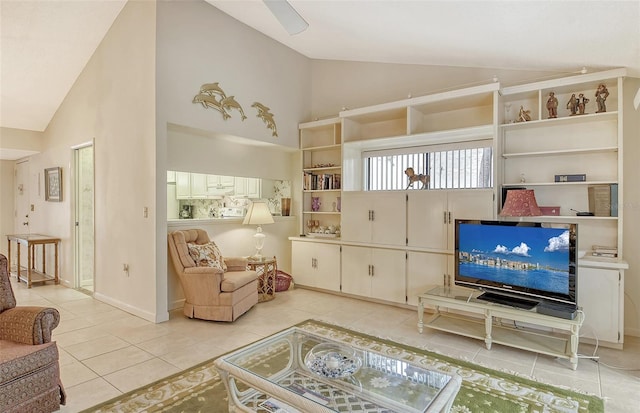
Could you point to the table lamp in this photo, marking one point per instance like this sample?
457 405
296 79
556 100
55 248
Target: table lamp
258 214
520 203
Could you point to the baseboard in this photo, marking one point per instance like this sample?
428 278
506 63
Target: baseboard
176 304
131 309
635 332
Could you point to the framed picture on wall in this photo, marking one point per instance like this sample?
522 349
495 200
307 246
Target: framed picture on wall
53 184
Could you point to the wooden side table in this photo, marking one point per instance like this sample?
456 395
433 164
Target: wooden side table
267 269
30 241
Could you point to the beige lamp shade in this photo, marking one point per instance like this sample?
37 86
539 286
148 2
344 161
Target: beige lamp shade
258 214
520 203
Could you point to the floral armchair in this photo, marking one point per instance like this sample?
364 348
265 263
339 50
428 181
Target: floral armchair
29 369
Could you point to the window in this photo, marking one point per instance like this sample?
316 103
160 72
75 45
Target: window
447 168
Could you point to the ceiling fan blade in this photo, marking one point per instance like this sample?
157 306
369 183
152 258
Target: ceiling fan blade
287 16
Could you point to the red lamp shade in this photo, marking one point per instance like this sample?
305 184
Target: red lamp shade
520 203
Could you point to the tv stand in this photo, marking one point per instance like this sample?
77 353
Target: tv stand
508 300
482 321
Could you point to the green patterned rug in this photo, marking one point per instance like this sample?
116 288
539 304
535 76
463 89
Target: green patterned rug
199 389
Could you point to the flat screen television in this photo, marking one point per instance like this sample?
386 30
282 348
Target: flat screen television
518 263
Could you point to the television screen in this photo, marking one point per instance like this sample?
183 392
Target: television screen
527 258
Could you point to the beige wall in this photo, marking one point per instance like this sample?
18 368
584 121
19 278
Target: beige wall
112 104
20 139
198 44
631 208
7 203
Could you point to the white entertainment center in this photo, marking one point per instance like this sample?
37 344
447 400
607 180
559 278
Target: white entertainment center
396 245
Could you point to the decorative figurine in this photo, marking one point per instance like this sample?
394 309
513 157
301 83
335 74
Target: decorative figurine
524 115
552 105
572 104
315 204
413 177
601 96
582 102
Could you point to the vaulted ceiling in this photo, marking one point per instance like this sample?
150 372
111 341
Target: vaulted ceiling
47 43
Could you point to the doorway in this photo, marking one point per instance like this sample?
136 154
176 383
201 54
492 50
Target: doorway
84 239
22 197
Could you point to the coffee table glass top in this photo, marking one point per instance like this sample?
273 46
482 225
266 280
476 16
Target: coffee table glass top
381 384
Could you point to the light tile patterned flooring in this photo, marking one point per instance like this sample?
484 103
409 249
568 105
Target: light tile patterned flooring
105 352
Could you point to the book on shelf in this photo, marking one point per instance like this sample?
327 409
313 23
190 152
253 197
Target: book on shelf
604 249
604 254
317 182
600 200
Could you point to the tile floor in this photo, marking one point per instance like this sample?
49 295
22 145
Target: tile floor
105 352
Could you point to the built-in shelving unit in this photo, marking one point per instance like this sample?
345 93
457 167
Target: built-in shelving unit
321 145
526 154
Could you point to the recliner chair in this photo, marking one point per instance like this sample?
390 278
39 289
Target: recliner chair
29 368
212 292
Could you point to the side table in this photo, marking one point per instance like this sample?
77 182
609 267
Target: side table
30 241
267 269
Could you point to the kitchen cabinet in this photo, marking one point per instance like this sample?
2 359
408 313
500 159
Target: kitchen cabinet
183 185
374 272
247 187
316 265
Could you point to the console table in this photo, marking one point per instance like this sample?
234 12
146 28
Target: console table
267 268
486 324
30 241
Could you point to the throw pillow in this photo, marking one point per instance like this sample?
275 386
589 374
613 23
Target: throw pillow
207 255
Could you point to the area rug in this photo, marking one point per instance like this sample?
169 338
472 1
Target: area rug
199 389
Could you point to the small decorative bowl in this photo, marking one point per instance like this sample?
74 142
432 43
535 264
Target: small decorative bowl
332 360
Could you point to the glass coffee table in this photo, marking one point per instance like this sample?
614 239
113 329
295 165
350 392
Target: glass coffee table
278 374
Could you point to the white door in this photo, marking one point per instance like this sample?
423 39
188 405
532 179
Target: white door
84 218
22 197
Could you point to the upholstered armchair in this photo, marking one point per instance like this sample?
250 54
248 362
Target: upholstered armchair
215 287
29 369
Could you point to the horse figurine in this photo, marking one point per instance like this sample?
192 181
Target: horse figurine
413 177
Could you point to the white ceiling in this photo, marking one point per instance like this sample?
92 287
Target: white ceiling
47 43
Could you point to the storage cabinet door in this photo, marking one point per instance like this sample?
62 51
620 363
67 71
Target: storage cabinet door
356 223
356 264
426 219
424 272
389 218
388 276
599 297
327 266
468 204
302 267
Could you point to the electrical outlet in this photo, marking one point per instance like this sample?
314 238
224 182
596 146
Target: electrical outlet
125 268
145 212
33 208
